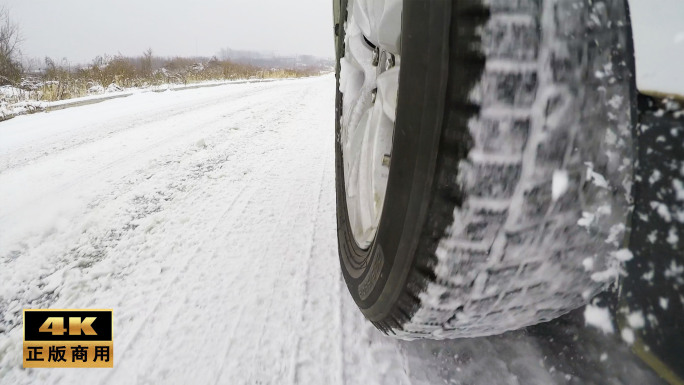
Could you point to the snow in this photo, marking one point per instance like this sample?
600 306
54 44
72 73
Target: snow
599 318
14 101
627 335
211 206
615 235
96 89
598 179
672 237
663 302
586 220
636 320
655 176
113 88
653 236
607 275
615 266
662 210
216 206
675 270
616 101
648 276
679 189
622 255
12 92
559 184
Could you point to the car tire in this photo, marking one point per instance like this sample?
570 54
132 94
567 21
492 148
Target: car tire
508 193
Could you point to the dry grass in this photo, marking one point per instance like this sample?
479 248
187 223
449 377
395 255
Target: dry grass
59 82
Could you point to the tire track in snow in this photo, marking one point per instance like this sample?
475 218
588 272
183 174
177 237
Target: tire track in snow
195 263
153 310
305 291
294 200
262 264
178 305
249 185
295 365
301 197
255 141
118 191
241 286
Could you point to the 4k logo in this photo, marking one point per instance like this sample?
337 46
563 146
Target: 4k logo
55 325
68 339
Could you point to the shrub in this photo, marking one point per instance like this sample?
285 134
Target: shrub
10 67
112 73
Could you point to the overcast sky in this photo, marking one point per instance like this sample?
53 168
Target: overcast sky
82 29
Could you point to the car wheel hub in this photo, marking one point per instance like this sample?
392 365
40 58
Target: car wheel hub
369 81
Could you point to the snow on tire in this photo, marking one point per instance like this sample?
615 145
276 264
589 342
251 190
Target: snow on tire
508 194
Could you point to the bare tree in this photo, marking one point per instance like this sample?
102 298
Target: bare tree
146 63
10 65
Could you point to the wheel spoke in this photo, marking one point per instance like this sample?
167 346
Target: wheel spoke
383 130
357 176
369 88
366 176
360 51
389 30
354 145
369 14
388 85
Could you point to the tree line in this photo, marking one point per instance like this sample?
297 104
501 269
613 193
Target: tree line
56 80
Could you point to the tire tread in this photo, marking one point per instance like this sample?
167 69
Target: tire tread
478 276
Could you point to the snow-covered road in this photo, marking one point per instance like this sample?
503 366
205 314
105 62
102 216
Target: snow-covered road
206 220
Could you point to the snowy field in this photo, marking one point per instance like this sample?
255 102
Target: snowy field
16 101
215 207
